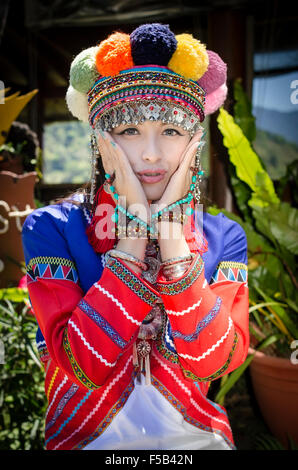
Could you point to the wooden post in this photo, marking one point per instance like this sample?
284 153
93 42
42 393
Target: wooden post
227 37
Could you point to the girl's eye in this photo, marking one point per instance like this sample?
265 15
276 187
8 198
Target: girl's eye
129 131
172 132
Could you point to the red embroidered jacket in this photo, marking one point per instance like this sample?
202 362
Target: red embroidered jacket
88 325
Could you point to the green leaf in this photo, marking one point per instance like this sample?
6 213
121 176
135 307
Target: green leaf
246 161
243 112
232 379
14 294
283 315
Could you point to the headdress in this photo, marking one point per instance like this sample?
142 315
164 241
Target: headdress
150 74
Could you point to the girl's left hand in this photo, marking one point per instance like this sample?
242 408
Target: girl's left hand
180 181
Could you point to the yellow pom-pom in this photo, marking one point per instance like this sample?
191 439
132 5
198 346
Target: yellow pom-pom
190 58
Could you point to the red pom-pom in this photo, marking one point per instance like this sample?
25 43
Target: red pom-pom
114 55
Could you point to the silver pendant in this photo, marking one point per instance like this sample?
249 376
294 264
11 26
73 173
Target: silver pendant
154 265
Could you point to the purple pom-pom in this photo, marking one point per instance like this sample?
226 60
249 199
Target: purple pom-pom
152 44
216 74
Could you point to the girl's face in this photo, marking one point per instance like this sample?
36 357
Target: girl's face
154 150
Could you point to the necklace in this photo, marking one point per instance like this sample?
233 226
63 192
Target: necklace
152 323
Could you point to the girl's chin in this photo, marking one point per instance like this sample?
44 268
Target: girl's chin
153 193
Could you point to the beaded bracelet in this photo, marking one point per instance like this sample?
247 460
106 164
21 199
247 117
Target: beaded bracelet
114 253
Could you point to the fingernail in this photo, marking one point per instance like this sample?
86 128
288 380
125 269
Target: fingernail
113 143
203 135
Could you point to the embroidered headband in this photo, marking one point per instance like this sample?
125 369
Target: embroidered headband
149 74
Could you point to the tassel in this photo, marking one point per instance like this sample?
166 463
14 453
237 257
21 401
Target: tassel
135 355
147 370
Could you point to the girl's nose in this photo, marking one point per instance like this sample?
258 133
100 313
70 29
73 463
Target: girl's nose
151 151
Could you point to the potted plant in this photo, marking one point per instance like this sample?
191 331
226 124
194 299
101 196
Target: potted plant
271 226
19 167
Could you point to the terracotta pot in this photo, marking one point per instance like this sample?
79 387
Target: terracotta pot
16 202
275 383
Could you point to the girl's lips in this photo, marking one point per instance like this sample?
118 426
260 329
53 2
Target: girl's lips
151 179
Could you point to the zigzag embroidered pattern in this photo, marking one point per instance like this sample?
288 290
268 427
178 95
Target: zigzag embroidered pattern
210 350
108 294
98 405
51 268
102 323
201 325
188 392
81 376
88 346
216 374
230 271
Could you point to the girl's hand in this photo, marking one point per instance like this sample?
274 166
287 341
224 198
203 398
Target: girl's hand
180 181
126 183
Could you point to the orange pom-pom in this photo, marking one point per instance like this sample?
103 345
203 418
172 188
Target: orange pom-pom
114 55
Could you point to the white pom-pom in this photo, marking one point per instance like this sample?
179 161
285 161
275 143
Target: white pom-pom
77 103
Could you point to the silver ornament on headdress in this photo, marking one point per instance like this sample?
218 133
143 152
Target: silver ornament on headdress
138 111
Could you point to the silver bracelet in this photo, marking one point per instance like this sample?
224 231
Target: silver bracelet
178 259
127 257
173 272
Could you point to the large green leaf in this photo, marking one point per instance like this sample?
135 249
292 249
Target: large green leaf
243 112
246 161
279 223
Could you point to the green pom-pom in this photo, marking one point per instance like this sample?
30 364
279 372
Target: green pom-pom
83 72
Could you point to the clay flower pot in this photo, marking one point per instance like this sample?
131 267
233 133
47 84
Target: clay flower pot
16 202
275 383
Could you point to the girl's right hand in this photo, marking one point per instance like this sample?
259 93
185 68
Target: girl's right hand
126 183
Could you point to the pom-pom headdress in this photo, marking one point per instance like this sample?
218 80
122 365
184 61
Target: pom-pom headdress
149 74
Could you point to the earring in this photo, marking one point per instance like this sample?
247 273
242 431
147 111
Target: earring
94 158
197 174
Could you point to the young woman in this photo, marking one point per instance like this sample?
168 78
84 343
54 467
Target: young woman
139 305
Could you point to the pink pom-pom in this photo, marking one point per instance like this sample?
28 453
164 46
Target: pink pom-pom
215 99
216 74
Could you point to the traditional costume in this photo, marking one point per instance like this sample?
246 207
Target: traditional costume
129 357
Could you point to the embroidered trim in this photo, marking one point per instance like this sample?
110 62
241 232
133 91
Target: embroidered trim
74 412
184 283
201 325
182 410
52 382
61 405
116 301
132 281
183 312
210 350
216 374
109 417
88 346
65 379
51 268
102 323
80 375
230 271
98 404
162 346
